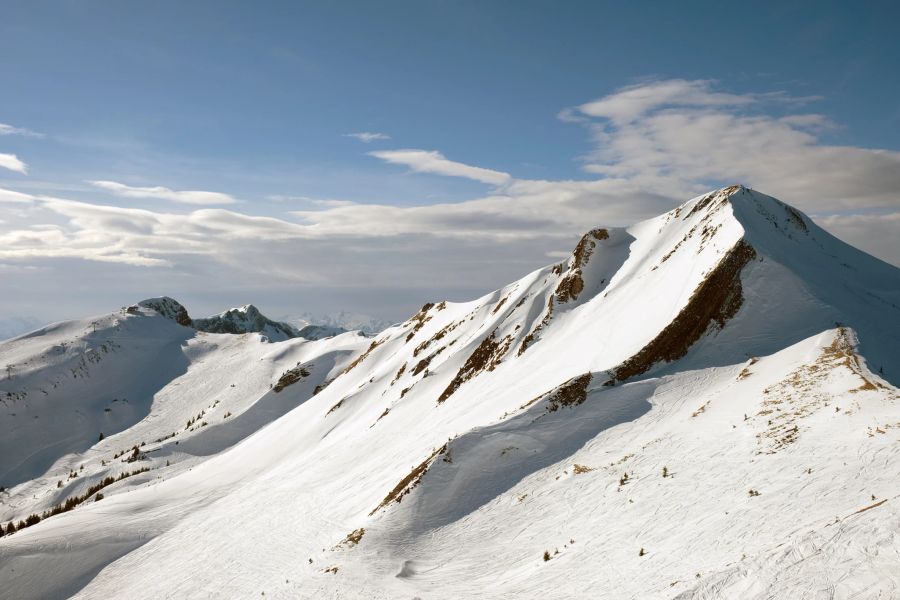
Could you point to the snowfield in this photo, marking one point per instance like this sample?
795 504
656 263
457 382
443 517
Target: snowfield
702 405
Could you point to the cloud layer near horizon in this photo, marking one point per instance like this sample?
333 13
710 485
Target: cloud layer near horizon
655 145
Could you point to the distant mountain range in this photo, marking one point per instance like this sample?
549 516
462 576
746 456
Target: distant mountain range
343 320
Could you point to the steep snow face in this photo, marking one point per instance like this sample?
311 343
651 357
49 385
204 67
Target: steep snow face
67 384
247 319
671 412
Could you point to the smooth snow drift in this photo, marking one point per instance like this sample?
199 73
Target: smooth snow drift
698 406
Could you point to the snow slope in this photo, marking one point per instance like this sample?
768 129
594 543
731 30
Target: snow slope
135 377
698 406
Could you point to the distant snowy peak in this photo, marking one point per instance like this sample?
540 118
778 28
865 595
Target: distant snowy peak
246 319
166 307
340 322
319 332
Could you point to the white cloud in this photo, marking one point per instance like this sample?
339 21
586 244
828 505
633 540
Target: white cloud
12 162
164 193
632 102
430 161
673 136
11 197
10 130
368 136
655 145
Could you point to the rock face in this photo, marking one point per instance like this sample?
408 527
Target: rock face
246 319
169 308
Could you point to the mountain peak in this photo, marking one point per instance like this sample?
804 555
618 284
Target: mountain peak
169 308
747 205
245 319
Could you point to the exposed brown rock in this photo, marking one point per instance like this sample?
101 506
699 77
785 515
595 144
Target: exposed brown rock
485 357
290 377
322 386
354 537
573 283
409 482
362 356
715 301
701 204
381 416
336 406
423 364
532 335
570 287
437 336
571 393
399 373
722 195
420 318
586 245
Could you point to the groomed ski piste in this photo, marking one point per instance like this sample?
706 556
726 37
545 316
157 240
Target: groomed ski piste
702 405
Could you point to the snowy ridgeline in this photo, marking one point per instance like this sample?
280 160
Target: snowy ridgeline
702 405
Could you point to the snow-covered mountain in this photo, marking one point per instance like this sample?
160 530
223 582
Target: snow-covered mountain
247 319
702 405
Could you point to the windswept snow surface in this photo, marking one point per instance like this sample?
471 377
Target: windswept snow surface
699 406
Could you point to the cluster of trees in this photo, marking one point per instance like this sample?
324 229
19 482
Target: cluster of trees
68 505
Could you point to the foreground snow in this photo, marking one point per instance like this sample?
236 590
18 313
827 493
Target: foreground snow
672 413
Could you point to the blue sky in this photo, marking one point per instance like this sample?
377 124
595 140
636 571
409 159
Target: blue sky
254 101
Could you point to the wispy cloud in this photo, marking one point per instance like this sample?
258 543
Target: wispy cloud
10 130
368 136
164 193
430 161
635 101
12 162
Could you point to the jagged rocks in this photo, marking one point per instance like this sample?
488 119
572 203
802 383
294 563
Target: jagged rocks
169 308
486 357
572 284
